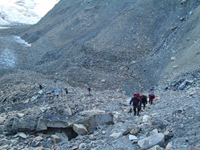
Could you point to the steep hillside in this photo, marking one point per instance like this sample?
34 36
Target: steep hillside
126 44
117 47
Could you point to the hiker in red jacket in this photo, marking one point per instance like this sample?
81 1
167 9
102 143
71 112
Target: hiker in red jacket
151 97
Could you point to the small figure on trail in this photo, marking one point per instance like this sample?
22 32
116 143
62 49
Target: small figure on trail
136 103
66 90
88 88
40 85
151 96
58 92
144 100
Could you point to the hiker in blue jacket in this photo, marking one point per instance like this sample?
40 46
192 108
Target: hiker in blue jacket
136 101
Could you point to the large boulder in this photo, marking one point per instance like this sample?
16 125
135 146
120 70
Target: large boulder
155 139
52 119
15 124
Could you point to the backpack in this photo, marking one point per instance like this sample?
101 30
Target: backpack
144 99
138 94
151 96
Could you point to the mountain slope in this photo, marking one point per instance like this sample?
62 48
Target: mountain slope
117 47
124 44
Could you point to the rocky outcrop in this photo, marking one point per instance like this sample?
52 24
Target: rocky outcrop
50 119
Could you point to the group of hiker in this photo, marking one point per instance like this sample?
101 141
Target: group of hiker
138 100
41 86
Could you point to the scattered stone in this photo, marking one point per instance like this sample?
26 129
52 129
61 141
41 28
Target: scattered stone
20 115
38 138
83 146
2 119
168 135
116 135
22 135
4 147
133 138
155 131
80 129
55 138
135 130
184 83
156 139
68 109
157 147
173 58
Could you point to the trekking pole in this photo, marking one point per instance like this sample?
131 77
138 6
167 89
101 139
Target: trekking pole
130 111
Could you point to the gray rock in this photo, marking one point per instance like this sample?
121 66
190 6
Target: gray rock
184 84
156 139
80 129
14 124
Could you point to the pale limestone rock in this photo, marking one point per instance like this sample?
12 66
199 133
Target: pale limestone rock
74 147
148 142
127 110
92 112
146 119
39 138
2 119
168 135
20 115
40 92
116 135
34 98
173 58
132 138
21 134
4 147
55 138
169 146
155 131
80 129
135 130
82 146
68 109
156 147
103 80
175 66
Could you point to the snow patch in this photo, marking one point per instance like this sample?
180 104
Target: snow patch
15 12
21 41
4 27
8 59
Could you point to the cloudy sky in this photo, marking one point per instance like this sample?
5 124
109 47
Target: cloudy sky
14 12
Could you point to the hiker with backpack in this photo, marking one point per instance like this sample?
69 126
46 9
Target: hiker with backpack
88 88
40 85
144 100
136 102
66 90
151 96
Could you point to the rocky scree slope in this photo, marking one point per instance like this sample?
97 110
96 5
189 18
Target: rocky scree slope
54 55
122 43
172 122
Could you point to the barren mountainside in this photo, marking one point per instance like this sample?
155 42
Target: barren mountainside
117 47
128 44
